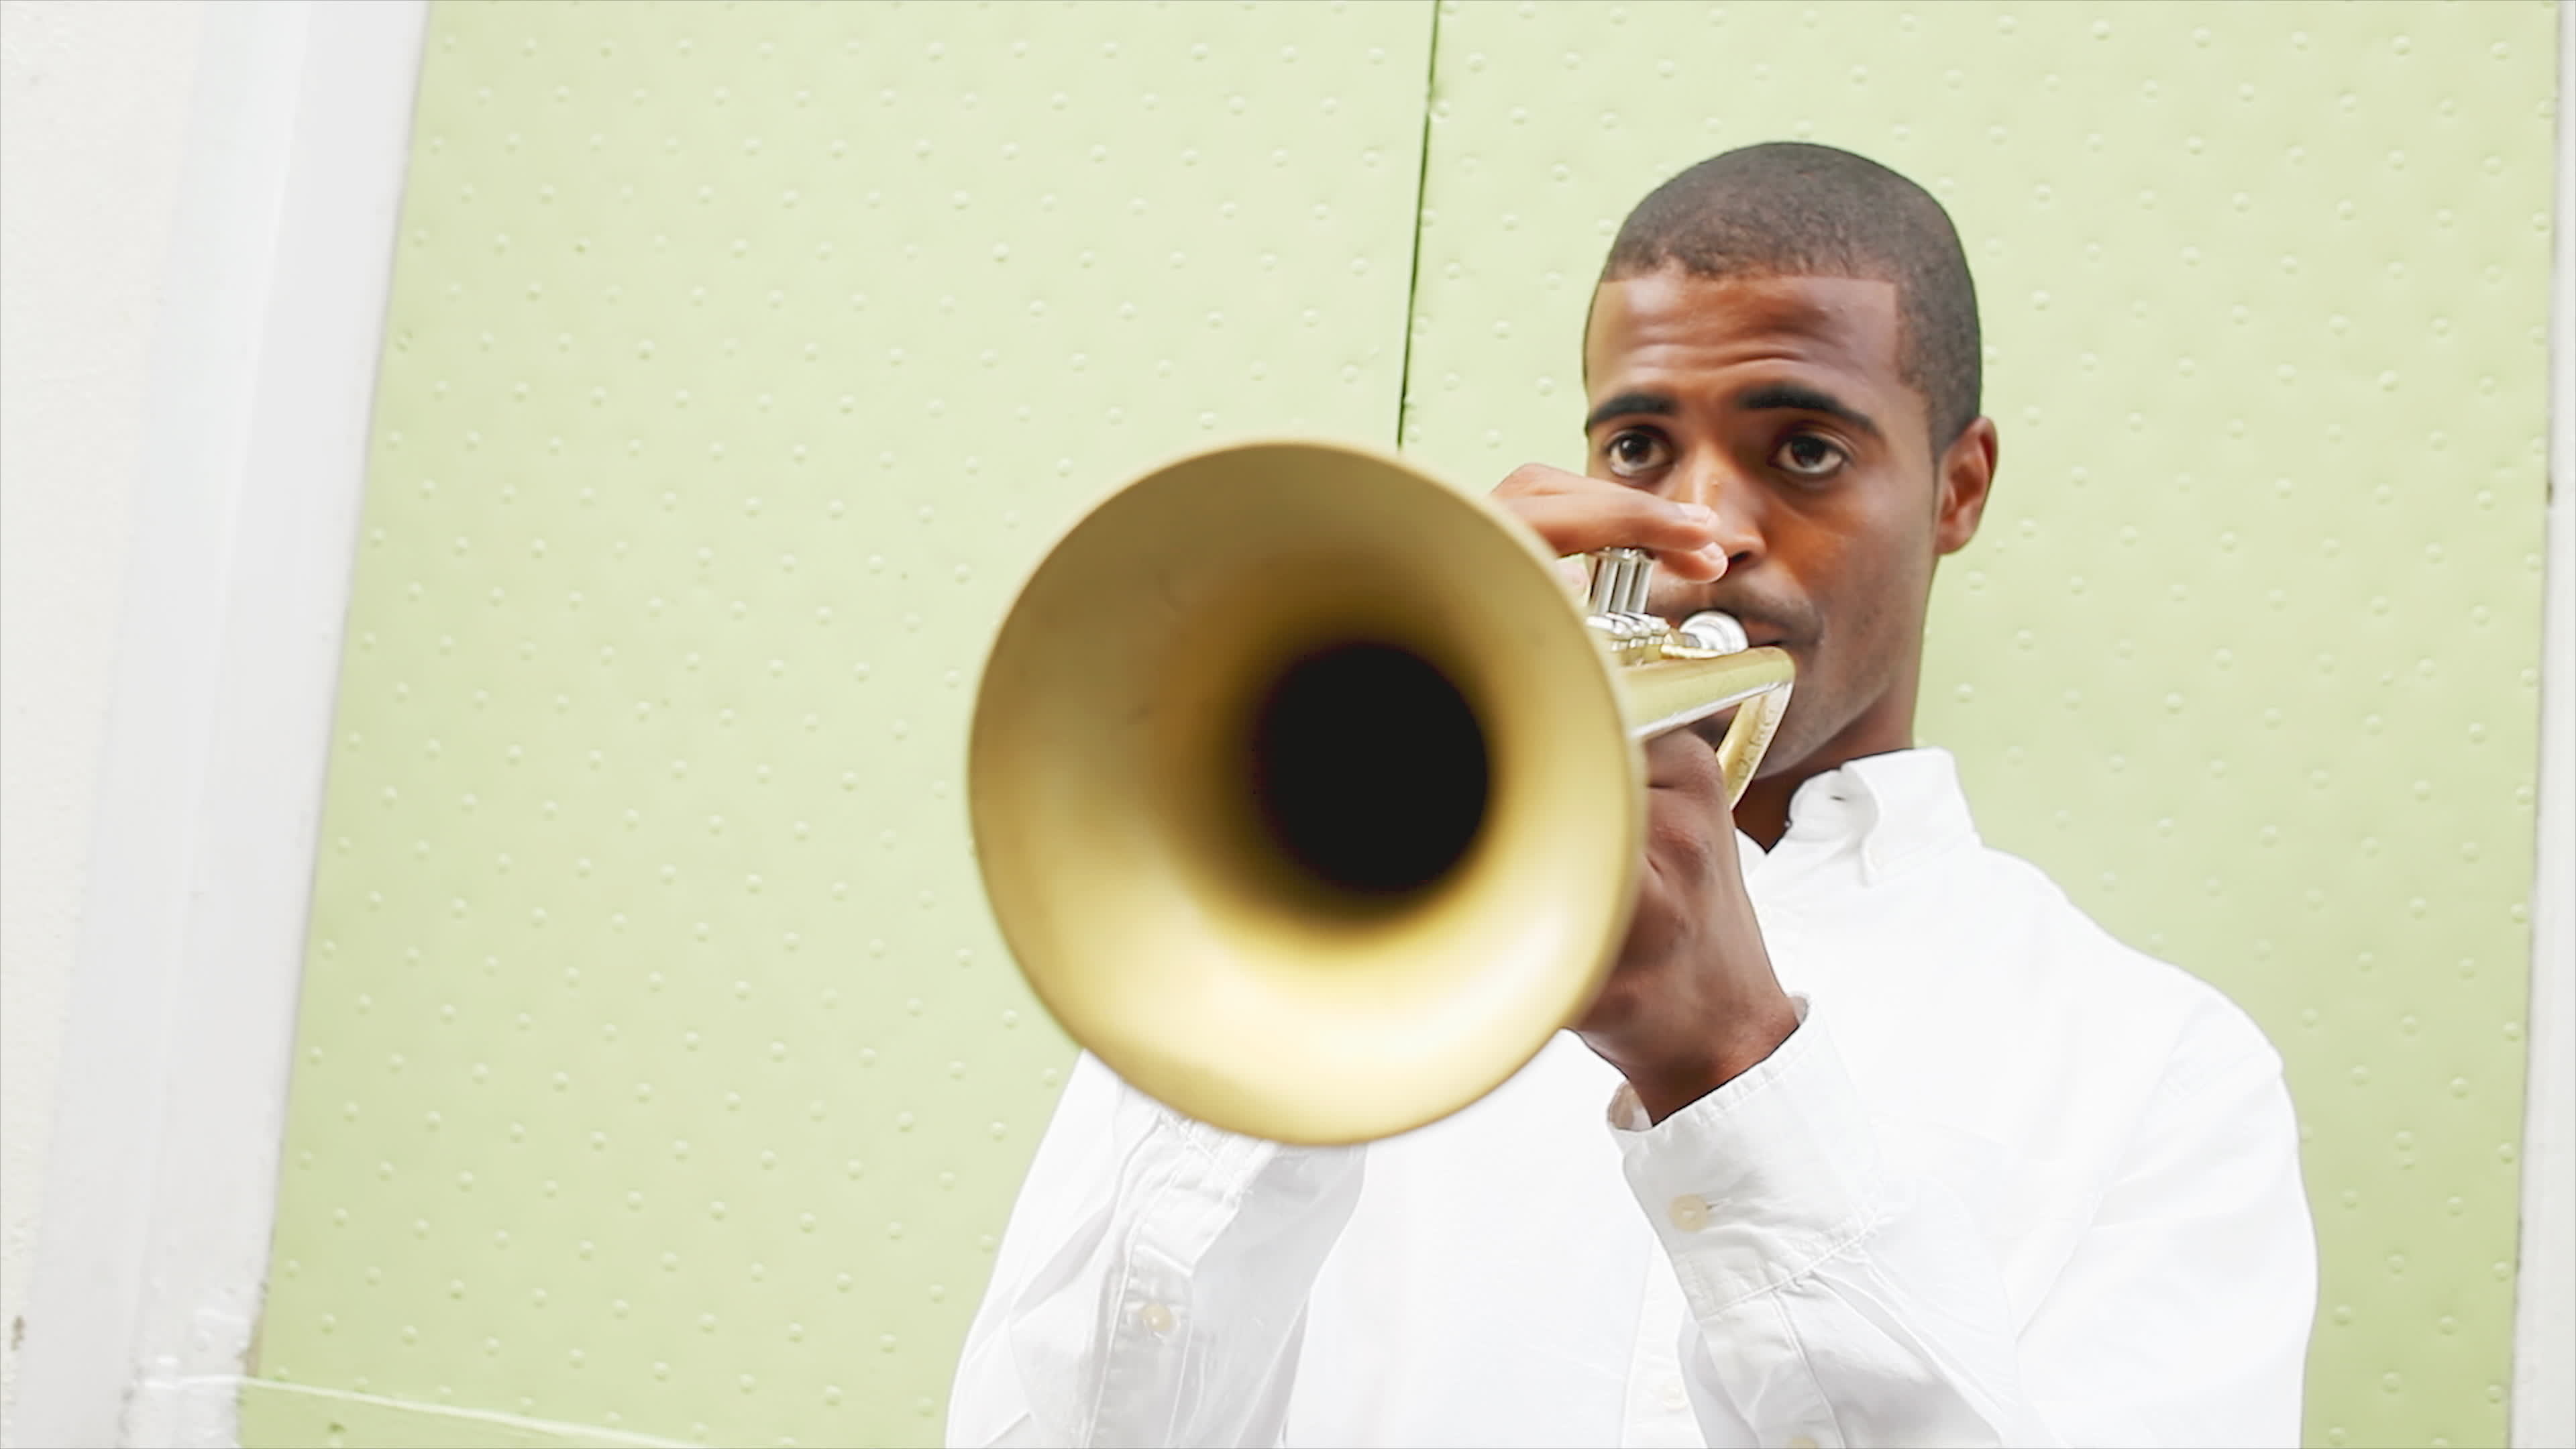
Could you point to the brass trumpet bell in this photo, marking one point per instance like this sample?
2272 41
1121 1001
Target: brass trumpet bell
1306 799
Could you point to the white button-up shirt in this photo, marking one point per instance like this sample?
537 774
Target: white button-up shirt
2009 1182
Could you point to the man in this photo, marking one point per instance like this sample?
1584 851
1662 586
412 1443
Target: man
1901 1148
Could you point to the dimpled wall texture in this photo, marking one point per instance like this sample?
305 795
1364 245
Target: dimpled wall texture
659 1069
2246 653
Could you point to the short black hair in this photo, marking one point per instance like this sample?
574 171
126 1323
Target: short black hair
1787 208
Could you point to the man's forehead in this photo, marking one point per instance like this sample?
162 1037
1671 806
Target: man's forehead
1669 320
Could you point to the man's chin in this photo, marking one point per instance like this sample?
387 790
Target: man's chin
1787 751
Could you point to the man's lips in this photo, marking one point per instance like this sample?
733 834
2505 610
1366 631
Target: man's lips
1760 633
1762 628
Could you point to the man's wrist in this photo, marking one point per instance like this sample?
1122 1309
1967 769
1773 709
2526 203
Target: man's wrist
1752 1035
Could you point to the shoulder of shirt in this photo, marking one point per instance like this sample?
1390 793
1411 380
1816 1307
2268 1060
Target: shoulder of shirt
2212 1036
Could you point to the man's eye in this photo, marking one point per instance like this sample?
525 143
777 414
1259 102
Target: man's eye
1807 456
1634 452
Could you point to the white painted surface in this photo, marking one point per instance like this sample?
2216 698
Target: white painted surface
245 472
86 92
2544 1341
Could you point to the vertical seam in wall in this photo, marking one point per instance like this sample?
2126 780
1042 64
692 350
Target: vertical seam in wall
1421 195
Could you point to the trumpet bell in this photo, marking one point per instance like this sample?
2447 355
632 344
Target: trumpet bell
1302 794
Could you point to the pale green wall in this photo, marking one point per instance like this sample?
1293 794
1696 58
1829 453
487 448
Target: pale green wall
659 1070
659 1067
2247 653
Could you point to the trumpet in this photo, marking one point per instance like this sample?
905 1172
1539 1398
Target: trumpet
1308 800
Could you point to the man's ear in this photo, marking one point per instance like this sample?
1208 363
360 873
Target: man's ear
1966 476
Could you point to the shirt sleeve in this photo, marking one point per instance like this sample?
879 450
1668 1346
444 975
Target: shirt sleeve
1151 1286
1838 1304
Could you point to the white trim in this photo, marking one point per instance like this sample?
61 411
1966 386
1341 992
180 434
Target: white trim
161 1183
2544 1336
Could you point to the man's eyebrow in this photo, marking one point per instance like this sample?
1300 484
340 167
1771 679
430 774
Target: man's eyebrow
1794 397
1632 404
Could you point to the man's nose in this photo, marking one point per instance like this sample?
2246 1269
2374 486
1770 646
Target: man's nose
1711 479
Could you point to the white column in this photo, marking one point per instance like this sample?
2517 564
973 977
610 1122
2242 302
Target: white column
86 91
2544 1339
161 1174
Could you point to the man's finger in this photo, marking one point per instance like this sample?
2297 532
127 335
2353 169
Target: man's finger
1681 760
1682 536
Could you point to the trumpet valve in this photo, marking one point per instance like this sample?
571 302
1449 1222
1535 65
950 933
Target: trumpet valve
1616 611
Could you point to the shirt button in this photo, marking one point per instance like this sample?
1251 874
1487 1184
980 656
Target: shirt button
1690 1213
1156 1318
1801 1441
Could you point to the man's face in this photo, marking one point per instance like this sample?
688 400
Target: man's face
1777 403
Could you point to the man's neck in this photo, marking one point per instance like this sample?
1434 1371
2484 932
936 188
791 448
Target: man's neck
1883 729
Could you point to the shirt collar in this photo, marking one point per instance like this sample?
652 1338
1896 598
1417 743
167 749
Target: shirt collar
1895 808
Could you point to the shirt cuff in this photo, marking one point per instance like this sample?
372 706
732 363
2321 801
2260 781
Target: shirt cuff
1753 1185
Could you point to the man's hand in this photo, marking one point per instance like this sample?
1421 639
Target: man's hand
1577 514
1692 1002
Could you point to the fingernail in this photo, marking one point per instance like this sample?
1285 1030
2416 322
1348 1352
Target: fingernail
1696 512
1714 557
